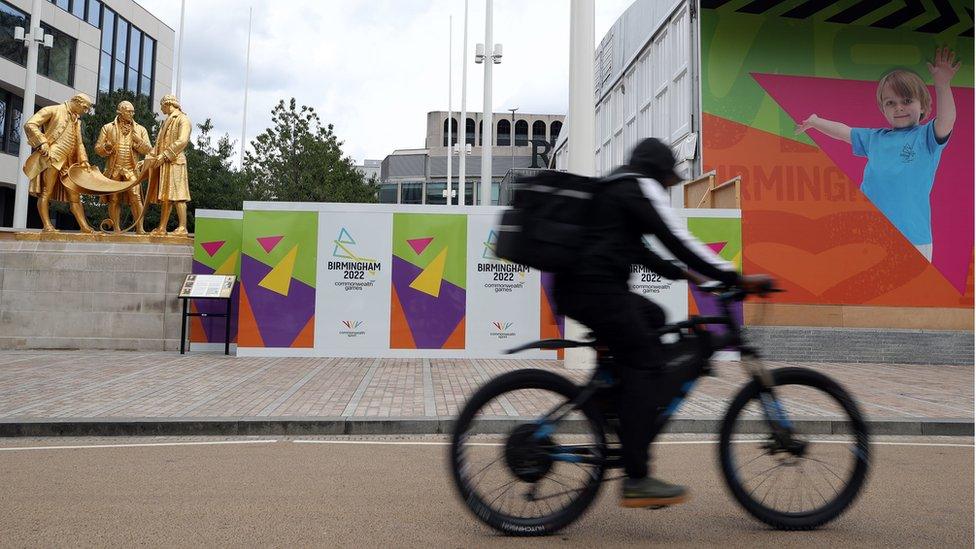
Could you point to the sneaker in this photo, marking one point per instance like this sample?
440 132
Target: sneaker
651 492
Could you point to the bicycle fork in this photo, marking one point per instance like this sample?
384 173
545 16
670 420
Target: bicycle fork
773 412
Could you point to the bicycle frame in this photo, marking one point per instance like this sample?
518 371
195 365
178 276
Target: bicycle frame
774 414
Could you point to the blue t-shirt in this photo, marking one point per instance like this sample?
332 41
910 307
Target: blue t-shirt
900 173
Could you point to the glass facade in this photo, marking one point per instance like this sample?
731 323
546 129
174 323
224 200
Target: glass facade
127 58
412 192
388 193
554 130
431 192
521 133
58 62
504 130
435 192
10 121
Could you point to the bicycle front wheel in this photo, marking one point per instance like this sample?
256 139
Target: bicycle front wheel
534 479
811 478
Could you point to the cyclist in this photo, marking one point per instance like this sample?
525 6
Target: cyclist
597 295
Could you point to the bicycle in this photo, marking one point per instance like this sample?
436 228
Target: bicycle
541 454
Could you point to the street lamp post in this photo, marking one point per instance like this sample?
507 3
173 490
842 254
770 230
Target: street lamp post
33 39
511 136
464 106
482 53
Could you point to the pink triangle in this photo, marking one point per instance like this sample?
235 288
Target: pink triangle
269 242
853 103
420 244
212 247
717 247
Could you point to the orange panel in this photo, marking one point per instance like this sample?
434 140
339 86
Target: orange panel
456 339
306 338
400 335
248 334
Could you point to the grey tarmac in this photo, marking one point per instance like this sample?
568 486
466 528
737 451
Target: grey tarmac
396 491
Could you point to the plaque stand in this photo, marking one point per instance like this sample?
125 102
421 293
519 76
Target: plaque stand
206 287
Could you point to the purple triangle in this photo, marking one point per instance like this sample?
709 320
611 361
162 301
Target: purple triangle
431 319
708 305
548 285
279 318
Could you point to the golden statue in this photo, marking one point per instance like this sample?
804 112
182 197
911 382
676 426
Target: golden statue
55 134
168 181
123 141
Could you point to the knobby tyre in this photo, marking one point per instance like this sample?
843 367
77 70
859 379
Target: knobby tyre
466 475
846 484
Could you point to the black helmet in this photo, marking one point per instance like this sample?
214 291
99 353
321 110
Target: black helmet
654 158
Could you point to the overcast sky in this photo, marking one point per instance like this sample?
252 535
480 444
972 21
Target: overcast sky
373 68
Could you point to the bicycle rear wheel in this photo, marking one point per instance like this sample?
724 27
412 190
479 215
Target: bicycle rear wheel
804 483
530 482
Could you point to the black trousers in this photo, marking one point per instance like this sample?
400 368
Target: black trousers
624 322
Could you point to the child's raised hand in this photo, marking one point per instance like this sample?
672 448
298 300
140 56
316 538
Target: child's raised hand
944 66
806 124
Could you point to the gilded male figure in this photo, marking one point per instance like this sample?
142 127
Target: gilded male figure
55 134
123 142
168 181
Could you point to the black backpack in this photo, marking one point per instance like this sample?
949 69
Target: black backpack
545 227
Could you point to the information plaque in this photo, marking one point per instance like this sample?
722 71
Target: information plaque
197 286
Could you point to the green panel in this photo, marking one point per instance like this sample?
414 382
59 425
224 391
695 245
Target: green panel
211 229
734 45
297 228
450 230
720 229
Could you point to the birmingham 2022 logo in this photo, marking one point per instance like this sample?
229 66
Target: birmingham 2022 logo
506 276
354 267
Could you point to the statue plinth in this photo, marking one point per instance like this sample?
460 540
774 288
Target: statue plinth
123 238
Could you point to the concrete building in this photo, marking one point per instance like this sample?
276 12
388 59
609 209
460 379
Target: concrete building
99 46
419 176
370 168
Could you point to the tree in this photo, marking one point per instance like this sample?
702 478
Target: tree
214 184
300 160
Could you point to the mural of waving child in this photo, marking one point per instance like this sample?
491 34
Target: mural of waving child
903 158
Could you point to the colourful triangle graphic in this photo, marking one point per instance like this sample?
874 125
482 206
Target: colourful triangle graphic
429 280
348 237
489 251
279 279
228 267
420 244
269 242
717 247
212 247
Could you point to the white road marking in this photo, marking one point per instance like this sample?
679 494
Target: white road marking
146 445
665 442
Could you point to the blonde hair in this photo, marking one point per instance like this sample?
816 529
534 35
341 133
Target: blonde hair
906 83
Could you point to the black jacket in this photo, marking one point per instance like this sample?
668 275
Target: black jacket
622 215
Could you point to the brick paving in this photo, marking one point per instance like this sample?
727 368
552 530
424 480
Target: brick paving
106 384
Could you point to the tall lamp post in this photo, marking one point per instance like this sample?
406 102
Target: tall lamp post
581 128
34 39
464 107
511 137
481 55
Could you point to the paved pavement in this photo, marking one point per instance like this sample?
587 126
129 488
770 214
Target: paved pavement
300 492
104 387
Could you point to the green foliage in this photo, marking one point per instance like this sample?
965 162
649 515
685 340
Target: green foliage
300 160
214 184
